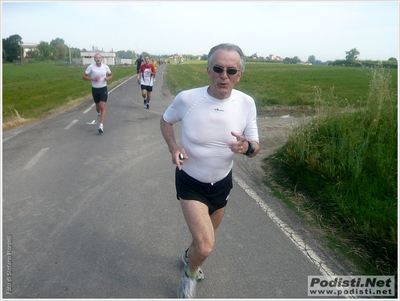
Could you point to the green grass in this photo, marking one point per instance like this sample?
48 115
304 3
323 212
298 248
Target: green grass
346 162
282 84
37 88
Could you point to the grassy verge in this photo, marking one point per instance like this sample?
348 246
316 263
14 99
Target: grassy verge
345 161
34 90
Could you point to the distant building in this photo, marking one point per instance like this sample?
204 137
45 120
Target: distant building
88 57
120 61
28 47
272 57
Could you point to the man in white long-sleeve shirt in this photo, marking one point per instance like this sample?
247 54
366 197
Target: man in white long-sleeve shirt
217 123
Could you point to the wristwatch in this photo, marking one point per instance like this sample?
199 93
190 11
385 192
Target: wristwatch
250 150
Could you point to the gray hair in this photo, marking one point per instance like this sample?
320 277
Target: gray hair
228 47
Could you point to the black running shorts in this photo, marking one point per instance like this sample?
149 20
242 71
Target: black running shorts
147 88
100 94
214 195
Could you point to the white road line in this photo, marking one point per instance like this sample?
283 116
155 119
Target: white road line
120 84
11 136
36 158
71 124
88 109
310 254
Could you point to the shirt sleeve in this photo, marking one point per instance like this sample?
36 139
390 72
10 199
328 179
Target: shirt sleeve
173 113
251 130
88 69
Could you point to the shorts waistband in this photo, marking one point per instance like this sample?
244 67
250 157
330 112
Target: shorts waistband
227 177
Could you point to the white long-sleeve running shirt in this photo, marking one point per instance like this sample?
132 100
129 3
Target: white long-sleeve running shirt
207 123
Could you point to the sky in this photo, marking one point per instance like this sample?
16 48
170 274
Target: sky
325 29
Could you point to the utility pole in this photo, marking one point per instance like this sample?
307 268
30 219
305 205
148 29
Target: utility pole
22 54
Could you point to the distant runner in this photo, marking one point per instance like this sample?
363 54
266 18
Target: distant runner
147 75
100 74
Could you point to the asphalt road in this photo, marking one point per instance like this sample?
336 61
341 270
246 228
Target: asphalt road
95 216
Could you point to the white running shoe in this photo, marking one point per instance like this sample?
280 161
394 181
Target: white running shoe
185 259
101 130
187 289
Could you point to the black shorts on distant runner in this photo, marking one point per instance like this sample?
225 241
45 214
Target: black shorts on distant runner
214 195
148 88
100 94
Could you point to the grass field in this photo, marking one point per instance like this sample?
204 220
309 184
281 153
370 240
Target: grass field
283 84
345 160
35 89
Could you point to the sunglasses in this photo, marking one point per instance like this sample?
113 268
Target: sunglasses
230 71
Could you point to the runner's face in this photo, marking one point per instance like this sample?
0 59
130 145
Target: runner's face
98 59
147 60
222 83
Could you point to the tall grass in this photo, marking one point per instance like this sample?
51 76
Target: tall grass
346 161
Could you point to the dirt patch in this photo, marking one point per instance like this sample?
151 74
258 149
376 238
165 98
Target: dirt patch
274 126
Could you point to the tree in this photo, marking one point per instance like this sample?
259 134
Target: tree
296 60
126 54
33 54
75 53
60 47
62 51
56 42
392 59
46 51
311 59
293 60
12 47
352 55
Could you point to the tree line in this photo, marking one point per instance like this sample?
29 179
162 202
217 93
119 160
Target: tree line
351 60
57 50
